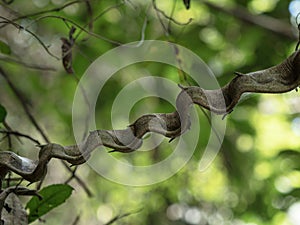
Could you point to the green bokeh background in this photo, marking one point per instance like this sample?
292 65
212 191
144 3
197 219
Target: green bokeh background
255 178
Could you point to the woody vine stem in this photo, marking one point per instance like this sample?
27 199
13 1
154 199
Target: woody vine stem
280 78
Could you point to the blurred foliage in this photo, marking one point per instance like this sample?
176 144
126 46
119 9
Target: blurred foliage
255 178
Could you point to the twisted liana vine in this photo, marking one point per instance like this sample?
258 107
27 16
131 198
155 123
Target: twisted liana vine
281 78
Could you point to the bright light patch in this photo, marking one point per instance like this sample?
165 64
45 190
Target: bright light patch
104 213
294 7
274 133
58 2
293 213
294 178
296 126
193 216
259 6
212 37
113 16
40 3
175 212
244 143
263 170
72 9
283 184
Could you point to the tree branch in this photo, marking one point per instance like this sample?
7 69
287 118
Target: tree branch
41 167
274 25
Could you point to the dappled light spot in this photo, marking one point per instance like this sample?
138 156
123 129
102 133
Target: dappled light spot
283 184
40 3
294 7
294 177
295 125
217 66
72 9
231 199
286 164
269 106
259 6
113 16
263 170
175 211
233 56
193 216
293 102
293 213
244 143
216 218
226 213
104 213
22 38
212 37
283 203
58 2
274 133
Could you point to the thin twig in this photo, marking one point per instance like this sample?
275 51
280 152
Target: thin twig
72 175
90 14
80 27
169 17
118 217
97 17
30 32
80 182
28 65
16 133
8 136
37 126
76 221
57 9
24 104
160 20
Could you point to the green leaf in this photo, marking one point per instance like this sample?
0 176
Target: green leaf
4 48
3 113
52 196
